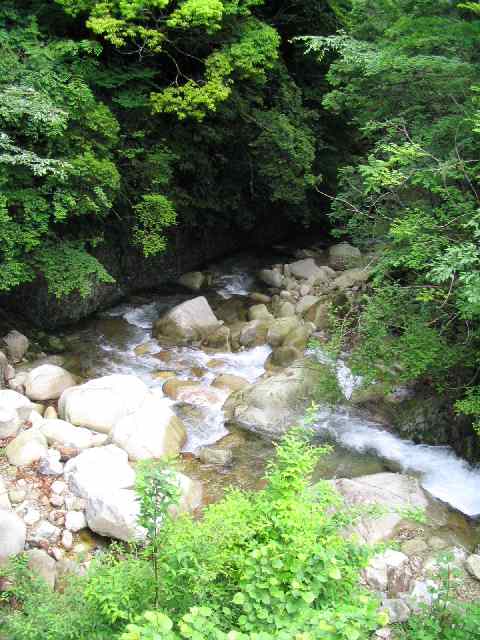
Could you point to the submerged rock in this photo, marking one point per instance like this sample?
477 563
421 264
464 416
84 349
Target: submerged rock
230 382
215 455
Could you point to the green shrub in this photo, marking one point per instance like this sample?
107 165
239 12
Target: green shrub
258 566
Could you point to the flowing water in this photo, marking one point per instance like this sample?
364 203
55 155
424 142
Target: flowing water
107 344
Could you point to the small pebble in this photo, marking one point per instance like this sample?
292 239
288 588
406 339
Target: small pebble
56 500
31 517
67 539
58 487
17 495
75 520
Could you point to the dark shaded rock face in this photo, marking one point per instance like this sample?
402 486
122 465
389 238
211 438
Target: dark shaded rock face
188 249
428 418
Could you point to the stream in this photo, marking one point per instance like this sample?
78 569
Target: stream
107 344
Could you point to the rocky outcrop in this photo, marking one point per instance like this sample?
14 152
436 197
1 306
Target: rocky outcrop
188 248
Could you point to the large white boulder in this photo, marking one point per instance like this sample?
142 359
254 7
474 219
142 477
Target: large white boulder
190 321
59 432
99 404
48 382
102 469
394 492
12 535
153 431
115 513
14 410
26 448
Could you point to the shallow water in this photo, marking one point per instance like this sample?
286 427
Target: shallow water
106 344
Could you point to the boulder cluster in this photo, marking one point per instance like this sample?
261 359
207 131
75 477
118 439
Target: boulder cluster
68 454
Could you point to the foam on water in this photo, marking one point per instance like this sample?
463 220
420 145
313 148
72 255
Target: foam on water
443 474
143 316
208 431
249 364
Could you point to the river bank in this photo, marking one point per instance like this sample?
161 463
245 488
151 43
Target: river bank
233 391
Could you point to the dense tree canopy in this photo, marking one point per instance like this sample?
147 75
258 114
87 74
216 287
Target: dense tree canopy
406 76
148 114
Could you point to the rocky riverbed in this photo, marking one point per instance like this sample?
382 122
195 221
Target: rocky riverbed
214 371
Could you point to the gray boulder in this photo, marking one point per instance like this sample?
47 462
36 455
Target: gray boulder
271 278
17 345
473 565
153 431
306 270
99 469
43 565
351 278
393 491
343 255
15 409
272 405
191 321
60 432
193 280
